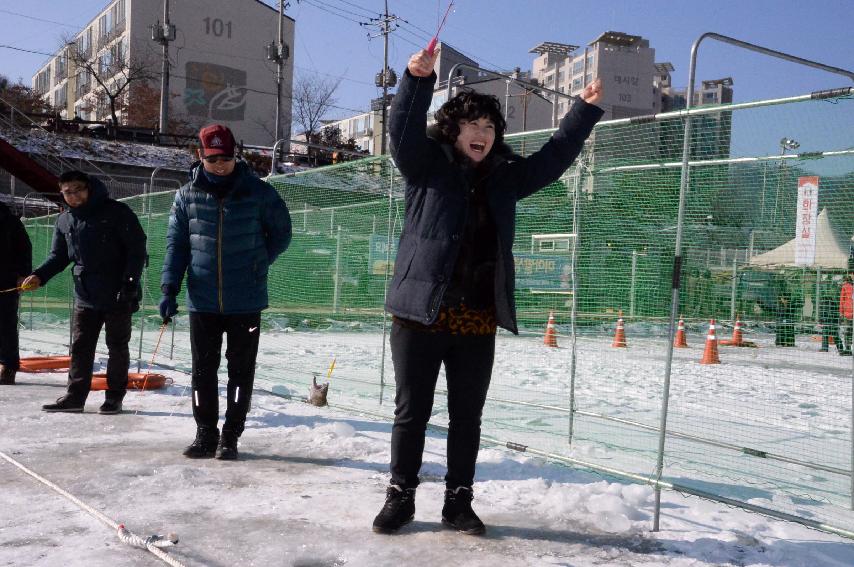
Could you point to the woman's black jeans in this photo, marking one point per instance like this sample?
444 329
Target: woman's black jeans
417 356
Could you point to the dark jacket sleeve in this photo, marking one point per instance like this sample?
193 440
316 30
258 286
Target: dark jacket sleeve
177 256
133 240
58 258
276 222
551 161
23 250
409 144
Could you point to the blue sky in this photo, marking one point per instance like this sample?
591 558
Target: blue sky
499 33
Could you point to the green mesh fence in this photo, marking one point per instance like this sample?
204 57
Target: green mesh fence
768 427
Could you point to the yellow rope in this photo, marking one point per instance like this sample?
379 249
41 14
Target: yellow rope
154 355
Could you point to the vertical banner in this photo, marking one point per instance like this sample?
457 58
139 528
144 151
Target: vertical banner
805 226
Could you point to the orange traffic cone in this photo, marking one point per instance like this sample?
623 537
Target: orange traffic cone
710 354
620 333
737 337
679 341
550 339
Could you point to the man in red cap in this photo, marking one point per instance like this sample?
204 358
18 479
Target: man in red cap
226 229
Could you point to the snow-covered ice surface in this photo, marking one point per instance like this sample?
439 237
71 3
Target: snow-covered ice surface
311 479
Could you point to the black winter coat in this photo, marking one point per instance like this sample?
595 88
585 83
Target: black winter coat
16 252
437 200
104 240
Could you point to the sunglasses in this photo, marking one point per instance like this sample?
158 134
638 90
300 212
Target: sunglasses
216 159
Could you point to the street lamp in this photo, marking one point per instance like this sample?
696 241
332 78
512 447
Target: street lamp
788 144
785 144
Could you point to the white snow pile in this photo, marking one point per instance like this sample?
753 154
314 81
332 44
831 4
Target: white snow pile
76 147
121 152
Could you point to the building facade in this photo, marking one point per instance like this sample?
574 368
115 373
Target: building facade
365 129
219 71
625 63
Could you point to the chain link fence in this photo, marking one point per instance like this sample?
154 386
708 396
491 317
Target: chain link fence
769 428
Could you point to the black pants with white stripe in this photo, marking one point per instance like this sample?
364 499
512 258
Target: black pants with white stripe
242 332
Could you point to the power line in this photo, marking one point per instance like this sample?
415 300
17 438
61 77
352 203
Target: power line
369 12
329 10
425 35
3 46
39 19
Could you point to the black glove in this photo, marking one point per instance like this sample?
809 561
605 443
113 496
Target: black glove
168 303
129 292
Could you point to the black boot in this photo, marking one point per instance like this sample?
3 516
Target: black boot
227 450
7 375
204 447
398 510
110 407
457 512
64 404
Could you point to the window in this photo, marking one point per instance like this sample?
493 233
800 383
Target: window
589 60
84 42
60 96
118 12
119 51
576 84
559 77
588 78
105 63
42 82
82 83
577 66
105 24
709 97
60 68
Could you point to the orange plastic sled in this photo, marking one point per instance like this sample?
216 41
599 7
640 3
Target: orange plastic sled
135 381
44 363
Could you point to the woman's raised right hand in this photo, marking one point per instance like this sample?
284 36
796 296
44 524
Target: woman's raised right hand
421 63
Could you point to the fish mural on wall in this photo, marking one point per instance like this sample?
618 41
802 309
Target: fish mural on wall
215 91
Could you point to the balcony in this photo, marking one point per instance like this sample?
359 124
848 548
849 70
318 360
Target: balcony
82 89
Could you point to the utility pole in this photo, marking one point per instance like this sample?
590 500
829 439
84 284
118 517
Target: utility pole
387 77
279 52
163 34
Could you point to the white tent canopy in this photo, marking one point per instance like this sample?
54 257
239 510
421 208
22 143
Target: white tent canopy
831 249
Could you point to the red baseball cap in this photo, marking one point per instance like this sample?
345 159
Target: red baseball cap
217 140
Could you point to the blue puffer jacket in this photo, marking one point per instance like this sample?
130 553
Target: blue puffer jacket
225 245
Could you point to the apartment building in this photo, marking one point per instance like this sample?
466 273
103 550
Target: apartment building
625 63
219 71
365 129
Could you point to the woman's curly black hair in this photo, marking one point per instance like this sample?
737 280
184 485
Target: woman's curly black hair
469 105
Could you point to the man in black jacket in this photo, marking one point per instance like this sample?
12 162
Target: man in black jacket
16 261
104 240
